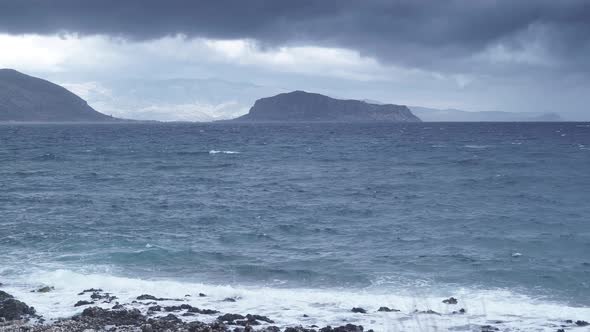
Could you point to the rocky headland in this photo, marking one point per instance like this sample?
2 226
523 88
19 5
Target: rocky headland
301 106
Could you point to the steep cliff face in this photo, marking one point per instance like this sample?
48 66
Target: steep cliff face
300 106
27 98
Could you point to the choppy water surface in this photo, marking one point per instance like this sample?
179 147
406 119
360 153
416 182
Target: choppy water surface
363 212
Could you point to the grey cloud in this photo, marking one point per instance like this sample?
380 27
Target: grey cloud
441 35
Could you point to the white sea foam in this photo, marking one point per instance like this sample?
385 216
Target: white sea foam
323 306
223 152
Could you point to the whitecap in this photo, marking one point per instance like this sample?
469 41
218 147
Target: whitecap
473 146
223 152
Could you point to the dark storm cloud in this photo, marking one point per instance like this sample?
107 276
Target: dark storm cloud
424 34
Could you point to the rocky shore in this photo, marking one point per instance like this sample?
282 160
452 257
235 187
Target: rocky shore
147 313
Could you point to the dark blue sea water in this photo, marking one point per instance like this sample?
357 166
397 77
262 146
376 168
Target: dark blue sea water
425 209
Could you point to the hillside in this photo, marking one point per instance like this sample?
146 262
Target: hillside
300 106
25 98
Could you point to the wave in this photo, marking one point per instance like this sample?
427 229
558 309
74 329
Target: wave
504 309
223 152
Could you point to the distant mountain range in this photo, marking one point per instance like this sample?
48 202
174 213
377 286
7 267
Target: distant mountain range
27 98
453 115
301 106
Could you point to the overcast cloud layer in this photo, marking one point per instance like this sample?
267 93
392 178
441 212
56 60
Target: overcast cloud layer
520 50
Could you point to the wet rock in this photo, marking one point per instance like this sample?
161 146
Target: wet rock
582 323
230 317
359 310
203 327
144 297
260 318
428 312
345 328
386 309
155 308
270 329
113 317
230 299
107 297
118 306
147 328
45 289
460 312
13 309
203 311
299 329
91 290
171 318
560 330
188 314
488 328
82 302
450 300
202 295
247 322
5 296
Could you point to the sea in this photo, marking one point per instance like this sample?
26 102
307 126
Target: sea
302 222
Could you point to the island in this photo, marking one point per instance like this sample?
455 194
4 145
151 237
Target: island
301 106
25 98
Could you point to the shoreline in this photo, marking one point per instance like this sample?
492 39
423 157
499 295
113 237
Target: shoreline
102 311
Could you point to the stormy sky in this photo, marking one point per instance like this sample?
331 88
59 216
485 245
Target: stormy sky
517 56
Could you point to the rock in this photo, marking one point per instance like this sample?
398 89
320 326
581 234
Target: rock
171 318
560 330
260 318
13 309
270 329
91 290
461 311
107 297
582 323
118 306
230 299
82 302
428 312
155 308
45 289
230 317
203 327
147 328
5 296
488 328
359 310
203 311
450 300
345 328
386 309
144 297
202 295
298 329
113 317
